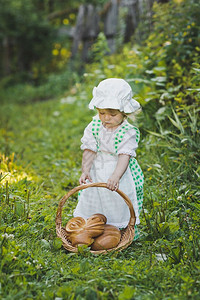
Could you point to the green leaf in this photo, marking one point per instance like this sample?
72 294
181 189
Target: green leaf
127 293
155 133
161 113
156 204
198 70
159 79
174 226
57 244
45 244
177 124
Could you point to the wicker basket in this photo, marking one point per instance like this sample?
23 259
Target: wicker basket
127 235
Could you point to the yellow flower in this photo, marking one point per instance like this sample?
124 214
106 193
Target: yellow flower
149 169
57 46
65 21
55 52
72 16
188 27
184 33
63 51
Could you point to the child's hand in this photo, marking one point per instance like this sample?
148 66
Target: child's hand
84 177
122 164
113 183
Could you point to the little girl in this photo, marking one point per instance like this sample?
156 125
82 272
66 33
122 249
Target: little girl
109 143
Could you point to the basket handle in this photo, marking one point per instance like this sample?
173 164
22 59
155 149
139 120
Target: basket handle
96 184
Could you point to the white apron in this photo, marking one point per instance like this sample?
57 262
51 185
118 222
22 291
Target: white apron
108 145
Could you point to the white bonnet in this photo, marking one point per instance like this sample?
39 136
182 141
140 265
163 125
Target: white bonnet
114 93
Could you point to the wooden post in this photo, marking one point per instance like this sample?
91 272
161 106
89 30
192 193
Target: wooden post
132 19
86 30
78 32
110 24
91 29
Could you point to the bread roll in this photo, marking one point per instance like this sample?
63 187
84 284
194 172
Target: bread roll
95 225
75 232
109 239
81 231
97 218
75 224
81 238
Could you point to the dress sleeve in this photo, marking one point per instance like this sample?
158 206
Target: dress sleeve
88 140
128 144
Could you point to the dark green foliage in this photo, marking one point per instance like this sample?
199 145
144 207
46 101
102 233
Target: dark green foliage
171 49
27 32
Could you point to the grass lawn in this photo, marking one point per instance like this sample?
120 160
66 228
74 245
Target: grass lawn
40 162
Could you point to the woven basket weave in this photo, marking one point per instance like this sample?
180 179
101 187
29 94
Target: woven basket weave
127 235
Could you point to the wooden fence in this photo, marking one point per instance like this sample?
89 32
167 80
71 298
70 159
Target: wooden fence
91 20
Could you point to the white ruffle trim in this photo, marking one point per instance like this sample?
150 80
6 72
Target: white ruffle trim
84 147
131 153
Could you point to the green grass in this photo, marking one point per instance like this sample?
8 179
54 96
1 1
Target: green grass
45 140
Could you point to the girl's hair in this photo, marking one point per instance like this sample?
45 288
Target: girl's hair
132 116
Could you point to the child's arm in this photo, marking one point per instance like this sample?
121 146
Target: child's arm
87 160
122 164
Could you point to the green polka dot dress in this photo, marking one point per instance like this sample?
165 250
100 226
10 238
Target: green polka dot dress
108 145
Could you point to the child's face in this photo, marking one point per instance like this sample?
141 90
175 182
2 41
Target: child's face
111 118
